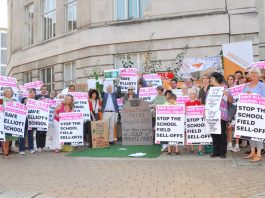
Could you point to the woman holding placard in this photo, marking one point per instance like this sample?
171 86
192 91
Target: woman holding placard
255 87
66 106
94 104
220 140
8 94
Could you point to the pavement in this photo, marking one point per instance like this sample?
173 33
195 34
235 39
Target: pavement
51 175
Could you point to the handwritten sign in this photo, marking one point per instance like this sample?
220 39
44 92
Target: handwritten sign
213 121
214 98
100 134
136 123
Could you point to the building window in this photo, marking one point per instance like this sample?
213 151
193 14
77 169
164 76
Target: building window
135 60
3 53
27 77
48 18
70 15
130 9
47 77
69 73
29 12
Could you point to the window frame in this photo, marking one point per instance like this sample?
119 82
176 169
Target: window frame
3 49
45 34
66 4
27 77
49 84
73 77
29 34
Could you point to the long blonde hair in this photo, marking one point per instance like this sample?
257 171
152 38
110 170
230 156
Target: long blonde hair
73 101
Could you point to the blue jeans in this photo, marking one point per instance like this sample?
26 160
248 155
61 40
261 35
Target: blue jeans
30 141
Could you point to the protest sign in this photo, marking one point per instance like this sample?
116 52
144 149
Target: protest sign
250 117
2 134
8 82
196 126
100 134
120 103
53 104
23 91
38 114
153 79
182 99
260 65
111 74
36 85
81 87
170 121
177 92
91 83
147 93
237 57
71 128
235 91
213 121
166 75
214 98
15 115
81 104
136 123
128 77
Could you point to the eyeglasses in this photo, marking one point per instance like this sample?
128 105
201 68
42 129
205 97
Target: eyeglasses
130 89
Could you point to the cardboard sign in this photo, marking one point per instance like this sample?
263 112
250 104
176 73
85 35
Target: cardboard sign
100 134
128 77
8 82
250 117
147 93
214 98
81 87
153 79
213 121
170 121
136 123
2 134
14 119
81 104
71 128
182 99
196 126
38 114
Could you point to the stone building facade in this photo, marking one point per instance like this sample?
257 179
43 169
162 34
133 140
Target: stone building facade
63 41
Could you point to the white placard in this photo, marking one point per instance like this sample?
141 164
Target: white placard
147 93
81 104
213 121
214 98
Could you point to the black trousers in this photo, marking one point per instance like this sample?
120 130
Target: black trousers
87 133
41 139
220 140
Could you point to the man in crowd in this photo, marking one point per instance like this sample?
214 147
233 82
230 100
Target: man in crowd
110 110
238 75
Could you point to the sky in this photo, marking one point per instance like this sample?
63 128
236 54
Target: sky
3 13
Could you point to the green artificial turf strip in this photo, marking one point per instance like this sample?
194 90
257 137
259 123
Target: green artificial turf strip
152 151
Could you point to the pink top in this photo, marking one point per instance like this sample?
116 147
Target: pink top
61 110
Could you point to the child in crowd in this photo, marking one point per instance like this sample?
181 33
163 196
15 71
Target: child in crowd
172 145
193 95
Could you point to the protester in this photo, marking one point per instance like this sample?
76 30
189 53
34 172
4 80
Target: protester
220 140
174 83
184 89
204 88
255 87
110 110
28 132
241 80
8 94
71 88
53 94
129 95
193 95
172 145
66 106
189 82
167 94
238 74
40 134
94 105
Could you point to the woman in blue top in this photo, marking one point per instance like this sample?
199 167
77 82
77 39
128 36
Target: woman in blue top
256 87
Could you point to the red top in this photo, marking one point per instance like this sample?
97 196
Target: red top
61 110
194 103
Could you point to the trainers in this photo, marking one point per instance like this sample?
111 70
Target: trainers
229 147
164 147
22 153
32 151
236 149
39 150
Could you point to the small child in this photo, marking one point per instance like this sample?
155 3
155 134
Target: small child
172 98
193 94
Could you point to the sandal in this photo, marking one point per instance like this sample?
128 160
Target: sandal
249 157
256 159
57 151
5 156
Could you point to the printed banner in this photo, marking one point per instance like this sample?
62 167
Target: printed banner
111 74
128 81
147 93
38 114
213 121
170 123
153 79
15 115
81 104
214 98
8 82
182 99
71 128
120 103
250 117
260 65
237 57
100 134
235 91
2 134
196 126
36 84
